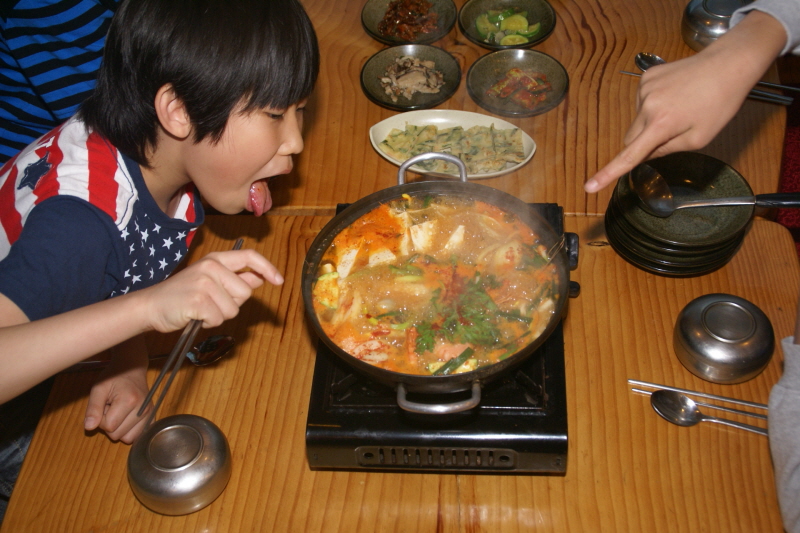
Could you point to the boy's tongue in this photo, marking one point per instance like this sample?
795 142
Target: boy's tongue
260 198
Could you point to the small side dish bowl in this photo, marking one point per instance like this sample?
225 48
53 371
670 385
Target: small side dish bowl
479 20
179 465
489 71
376 66
374 11
723 338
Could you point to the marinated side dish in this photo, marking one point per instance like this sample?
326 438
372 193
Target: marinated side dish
409 75
482 148
526 88
435 285
507 27
405 19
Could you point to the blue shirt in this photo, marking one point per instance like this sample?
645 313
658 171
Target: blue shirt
50 51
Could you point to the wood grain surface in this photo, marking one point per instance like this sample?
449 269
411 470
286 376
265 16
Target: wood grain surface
593 39
627 469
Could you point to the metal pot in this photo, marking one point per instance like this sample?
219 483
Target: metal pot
473 380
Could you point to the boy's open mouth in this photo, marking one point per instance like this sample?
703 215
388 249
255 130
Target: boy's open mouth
260 199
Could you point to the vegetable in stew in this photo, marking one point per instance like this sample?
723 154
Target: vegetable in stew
435 285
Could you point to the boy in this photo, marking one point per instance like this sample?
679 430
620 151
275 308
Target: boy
193 96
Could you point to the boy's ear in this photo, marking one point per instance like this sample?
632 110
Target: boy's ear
172 113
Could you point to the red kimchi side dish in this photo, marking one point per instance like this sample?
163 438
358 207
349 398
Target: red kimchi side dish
435 285
526 88
405 19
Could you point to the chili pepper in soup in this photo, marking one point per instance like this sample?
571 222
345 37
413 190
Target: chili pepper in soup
435 285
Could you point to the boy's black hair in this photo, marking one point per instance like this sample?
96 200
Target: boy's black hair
216 54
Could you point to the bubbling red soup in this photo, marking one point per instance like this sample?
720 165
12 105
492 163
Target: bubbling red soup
435 285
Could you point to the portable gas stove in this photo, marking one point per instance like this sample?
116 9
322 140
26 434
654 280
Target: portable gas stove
520 425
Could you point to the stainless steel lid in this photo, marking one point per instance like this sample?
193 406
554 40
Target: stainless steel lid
179 465
723 338
704 21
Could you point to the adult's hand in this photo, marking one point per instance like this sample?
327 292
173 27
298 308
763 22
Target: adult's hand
684 104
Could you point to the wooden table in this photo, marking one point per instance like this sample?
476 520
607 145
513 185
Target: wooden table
627 470
593 39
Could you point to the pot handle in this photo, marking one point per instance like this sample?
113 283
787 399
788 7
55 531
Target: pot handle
462 169
439 409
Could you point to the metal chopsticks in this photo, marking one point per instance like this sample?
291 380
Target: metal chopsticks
175 360
755 94
714 406
700 394
779 86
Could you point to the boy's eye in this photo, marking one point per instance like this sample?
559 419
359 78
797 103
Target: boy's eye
275 116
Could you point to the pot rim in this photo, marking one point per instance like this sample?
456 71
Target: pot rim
418 382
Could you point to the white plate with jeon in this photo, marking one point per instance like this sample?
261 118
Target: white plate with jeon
445 119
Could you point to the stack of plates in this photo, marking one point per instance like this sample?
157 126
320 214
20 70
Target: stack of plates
690 242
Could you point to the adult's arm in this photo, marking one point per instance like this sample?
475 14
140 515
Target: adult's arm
684 104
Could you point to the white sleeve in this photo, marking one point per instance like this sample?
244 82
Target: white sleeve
784 435
787 12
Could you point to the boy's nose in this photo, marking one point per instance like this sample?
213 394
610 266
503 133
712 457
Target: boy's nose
293 136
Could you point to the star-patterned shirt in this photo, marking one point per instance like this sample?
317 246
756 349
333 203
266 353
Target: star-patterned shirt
78 225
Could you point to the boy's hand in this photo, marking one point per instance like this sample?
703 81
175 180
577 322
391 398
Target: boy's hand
210 290
118 394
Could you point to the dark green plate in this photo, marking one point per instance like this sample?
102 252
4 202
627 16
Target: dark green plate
665 270
616 219
493 67
375 68
693 176
666 259
537 11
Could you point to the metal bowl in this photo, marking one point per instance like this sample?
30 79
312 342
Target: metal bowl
179 465
704 21
723 338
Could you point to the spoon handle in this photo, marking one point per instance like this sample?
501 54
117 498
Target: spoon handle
740 425
715 202
778 199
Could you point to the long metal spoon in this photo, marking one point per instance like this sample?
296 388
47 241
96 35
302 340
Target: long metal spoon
683 411
657 199
644 61
713 406
203 353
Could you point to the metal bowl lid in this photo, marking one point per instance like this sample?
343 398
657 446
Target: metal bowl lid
179 465
723 338
706 20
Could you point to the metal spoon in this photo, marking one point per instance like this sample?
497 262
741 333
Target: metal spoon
683 411
656 196
204 353
644 61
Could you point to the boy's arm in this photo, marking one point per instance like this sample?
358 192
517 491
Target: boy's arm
210 290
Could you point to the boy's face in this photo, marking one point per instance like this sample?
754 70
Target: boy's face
232 174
